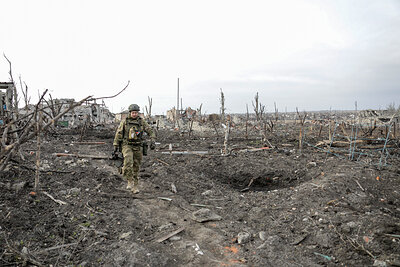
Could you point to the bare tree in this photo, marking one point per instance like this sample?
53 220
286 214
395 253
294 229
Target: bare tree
25 93
261 111
55 107
198 112
247 121
27 132
190 124
148 110
38 129
222 100
270 123
302 120
276 112
105 97
256 106
226 138
13 105
261 118
263 121
215 128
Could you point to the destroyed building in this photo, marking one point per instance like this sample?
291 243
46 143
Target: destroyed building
187 113
121 116
88 112
6 98
124 114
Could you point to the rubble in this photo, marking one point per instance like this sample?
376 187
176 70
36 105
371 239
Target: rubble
243 238
205 215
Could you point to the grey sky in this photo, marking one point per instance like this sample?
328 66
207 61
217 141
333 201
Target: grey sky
307 54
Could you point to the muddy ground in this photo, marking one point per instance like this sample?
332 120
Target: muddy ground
273 207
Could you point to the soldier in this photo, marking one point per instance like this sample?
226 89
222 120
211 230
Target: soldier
129 140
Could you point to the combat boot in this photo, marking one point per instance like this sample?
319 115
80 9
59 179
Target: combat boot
130 185
135 188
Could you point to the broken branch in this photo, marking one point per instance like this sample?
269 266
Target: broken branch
104 97
55 200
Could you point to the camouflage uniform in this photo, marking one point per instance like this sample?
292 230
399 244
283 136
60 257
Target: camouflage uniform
129 137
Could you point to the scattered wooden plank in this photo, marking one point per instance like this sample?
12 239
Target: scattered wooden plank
254 149
89 143
129 195
287 145
159 160
360 186
163 238
251 181
165 198
391 235
200 205
184 152
81 156
362 144
337 143
59 246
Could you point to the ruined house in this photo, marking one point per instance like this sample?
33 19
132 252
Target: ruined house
188 113
6 99
87 113
124 114
121 116
214 117
171 114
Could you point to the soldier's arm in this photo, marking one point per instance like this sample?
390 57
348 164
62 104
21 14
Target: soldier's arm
119 134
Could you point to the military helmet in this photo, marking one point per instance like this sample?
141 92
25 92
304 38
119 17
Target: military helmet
133 107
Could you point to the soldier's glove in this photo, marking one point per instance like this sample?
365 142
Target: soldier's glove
152 145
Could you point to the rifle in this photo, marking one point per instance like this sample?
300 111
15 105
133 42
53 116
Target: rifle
145 146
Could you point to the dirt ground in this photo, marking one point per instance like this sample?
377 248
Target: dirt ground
272 207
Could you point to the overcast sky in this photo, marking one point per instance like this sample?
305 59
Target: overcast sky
314 55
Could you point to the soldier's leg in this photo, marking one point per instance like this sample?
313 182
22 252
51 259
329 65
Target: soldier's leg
137 160
127 169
